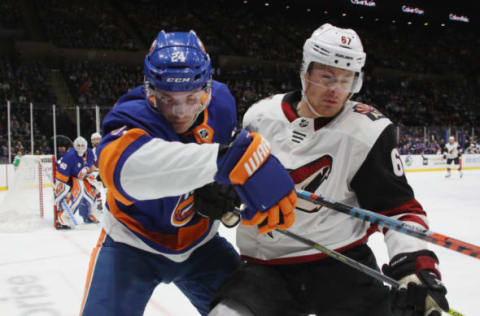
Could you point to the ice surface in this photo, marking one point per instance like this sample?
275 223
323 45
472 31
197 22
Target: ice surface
45 270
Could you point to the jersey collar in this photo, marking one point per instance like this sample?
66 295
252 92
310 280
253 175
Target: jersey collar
200 130
289 106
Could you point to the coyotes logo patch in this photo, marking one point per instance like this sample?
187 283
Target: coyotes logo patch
368 110
310 177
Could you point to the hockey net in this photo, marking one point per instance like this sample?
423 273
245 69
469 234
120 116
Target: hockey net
29 203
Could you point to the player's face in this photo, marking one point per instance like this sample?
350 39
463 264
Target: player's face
95 142
327 88
179 108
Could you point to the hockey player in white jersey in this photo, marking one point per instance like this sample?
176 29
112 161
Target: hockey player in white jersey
452 152
95 139
345 151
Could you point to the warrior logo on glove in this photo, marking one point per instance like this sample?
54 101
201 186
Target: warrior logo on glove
260 180
251 160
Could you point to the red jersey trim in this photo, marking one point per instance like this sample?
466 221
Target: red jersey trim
410 208
289 112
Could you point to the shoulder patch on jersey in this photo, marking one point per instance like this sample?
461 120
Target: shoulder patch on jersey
368 110
203 133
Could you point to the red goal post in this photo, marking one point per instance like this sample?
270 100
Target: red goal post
30 203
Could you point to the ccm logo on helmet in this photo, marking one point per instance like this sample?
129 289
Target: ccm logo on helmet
258 157
177 80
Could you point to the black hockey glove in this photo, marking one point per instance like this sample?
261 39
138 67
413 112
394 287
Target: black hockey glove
421 292
217 201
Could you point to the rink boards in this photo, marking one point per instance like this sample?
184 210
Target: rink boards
418 163
411 163
7 175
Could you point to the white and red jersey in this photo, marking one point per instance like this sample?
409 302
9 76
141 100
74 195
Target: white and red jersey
351 158
452 151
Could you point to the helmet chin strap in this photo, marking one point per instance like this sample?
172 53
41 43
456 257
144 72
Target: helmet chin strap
304 94
309 105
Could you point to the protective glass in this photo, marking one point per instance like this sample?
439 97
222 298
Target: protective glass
178 104
328 80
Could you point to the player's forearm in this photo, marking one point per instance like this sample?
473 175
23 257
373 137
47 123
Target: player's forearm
160 168
400 243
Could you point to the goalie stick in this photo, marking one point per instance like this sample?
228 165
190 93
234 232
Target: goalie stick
391 223
76 225
70 214
352 263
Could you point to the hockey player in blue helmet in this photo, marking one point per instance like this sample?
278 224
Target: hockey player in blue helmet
169 161
178 78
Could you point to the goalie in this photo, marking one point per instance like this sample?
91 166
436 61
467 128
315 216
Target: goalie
74 188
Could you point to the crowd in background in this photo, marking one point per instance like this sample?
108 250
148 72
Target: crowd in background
422 78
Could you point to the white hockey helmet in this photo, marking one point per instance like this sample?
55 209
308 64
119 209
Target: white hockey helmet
337 47
80 145
95 136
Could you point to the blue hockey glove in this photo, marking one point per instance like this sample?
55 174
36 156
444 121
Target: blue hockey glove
260 180
421 292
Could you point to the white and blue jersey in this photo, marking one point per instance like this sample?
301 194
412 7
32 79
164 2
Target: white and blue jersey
151 230
150 173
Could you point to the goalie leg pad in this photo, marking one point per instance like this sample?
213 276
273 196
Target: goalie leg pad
61 192
66 216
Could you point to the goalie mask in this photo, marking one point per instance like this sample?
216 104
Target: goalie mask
178 77
80 145
335 47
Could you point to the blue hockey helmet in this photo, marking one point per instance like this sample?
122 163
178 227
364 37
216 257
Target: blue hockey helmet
177 61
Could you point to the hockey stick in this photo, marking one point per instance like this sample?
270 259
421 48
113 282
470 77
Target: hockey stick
348 261
69 212
391 223
352 263
76 225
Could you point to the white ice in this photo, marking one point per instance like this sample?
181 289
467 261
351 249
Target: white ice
43 273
